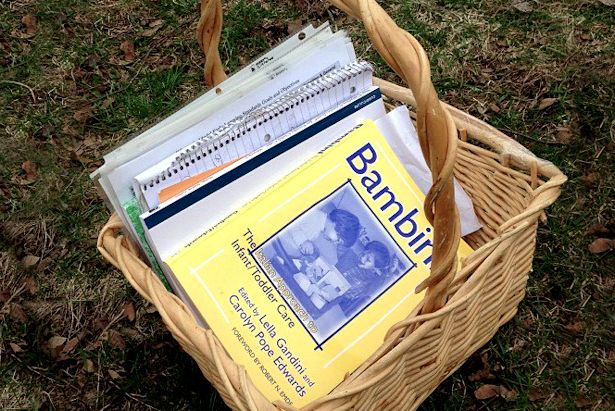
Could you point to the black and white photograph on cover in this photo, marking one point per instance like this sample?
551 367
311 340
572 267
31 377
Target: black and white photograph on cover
336 258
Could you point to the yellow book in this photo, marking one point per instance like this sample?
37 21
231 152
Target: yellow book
302 283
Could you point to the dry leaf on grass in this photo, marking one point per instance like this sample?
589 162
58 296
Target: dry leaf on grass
56 341
55 345
84 113
17 313
31 170
546 102
30 260
485 372
154 27
129 311
487 391
115 339
88 366
31 24
596 229
30 284
16 348
574 328
128 48
70 345
494 107
601 245
294 25
535 394
583 402
564 135
590 179
114 374
524 6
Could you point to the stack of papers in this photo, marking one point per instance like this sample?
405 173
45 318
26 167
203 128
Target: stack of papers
179 178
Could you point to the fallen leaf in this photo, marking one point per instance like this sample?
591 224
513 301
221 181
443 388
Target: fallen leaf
16 348
524 6
94 345
129 311
107 103
83 114
294 26
601 245
546 102
154 27
70 345
574 328
17 313
156 23
564 135
30 284
596 228
69 131
75 155
56 342
88 366
31 24
590 179
100 323
116 340
583 402
114 374
494 107
128 48
487 391
30 260
30 169
5 295
535 394
485 372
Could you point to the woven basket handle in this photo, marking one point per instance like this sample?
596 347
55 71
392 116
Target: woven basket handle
436 129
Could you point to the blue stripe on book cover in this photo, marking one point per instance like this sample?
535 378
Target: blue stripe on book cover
200 193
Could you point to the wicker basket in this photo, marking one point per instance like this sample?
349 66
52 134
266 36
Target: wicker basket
464 306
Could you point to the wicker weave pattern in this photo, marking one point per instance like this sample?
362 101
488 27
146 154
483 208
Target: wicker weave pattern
510 188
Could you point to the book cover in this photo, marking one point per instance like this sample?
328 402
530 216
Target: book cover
302 283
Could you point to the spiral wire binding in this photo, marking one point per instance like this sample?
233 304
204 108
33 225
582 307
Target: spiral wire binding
234 130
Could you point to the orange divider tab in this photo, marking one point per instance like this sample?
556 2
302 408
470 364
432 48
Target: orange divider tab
180 187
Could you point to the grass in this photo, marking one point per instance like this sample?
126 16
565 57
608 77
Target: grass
491 59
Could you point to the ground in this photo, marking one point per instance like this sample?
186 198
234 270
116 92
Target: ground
77 78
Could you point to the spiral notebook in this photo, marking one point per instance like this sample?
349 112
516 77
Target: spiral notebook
244 135
279 71
181 219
